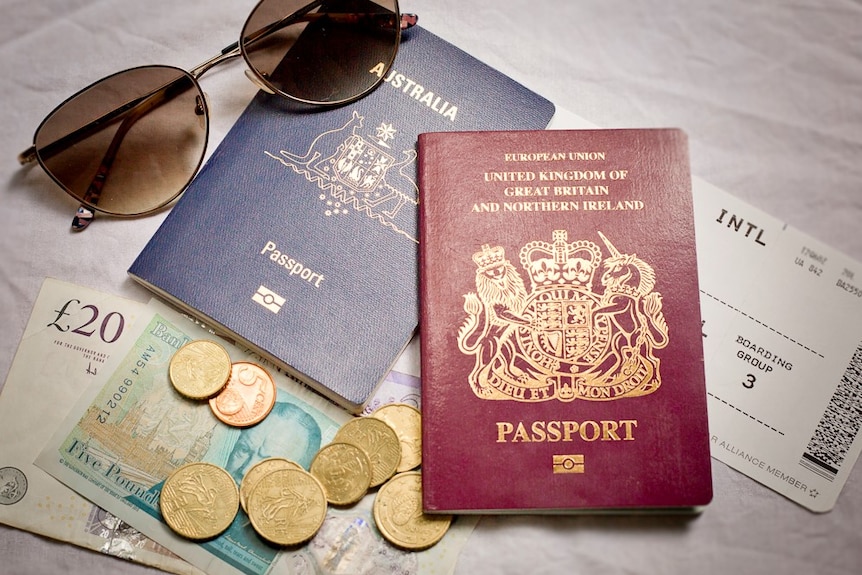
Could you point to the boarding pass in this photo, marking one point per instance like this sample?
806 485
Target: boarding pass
782 337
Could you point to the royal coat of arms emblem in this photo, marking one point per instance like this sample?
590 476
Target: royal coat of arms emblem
565 339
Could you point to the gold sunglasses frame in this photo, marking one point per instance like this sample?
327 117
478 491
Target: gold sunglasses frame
135 109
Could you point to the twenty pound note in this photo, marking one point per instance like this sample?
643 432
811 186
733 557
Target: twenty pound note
782 340
72 332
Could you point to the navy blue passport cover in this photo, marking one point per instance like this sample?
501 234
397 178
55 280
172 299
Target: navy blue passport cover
299 236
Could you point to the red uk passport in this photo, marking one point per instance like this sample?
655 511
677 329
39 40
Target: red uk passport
560 327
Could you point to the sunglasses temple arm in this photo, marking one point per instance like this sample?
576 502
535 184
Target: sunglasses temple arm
408 21
95 126
84 216
233 50
302 15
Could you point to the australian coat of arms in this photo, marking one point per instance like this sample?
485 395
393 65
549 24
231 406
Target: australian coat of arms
566 339
356 172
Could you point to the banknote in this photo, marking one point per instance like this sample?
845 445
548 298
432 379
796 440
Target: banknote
131 429
397 387
71 334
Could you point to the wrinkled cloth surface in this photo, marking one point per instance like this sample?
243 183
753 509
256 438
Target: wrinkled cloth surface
770 94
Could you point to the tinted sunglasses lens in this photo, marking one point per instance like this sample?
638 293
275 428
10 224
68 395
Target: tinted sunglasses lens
322 52
128 144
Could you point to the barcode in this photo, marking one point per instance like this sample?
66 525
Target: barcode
839 424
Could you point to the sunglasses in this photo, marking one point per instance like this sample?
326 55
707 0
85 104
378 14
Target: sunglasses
130 144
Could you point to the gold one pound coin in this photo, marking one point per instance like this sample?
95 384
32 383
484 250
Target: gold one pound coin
407 423
257 471
200 369
399 517
287 506
379 442
199 501
344 472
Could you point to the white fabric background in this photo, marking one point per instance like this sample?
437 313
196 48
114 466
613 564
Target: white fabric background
770 94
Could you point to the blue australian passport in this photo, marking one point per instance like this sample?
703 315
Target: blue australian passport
299 236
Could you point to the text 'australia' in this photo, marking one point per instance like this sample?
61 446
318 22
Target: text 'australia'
416 91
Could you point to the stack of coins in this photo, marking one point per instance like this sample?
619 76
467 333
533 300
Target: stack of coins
257 471
345 472
407 422
286 504
397 509
378 440
240 394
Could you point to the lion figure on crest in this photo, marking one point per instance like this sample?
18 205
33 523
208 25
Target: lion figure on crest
493 312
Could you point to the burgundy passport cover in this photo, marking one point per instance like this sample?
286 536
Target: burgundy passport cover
561 350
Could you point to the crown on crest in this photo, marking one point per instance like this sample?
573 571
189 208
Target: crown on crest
489 257
561 262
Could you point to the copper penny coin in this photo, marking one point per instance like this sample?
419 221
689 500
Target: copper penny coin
248 396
